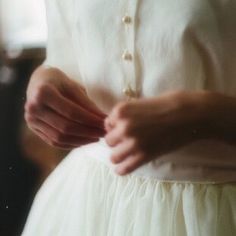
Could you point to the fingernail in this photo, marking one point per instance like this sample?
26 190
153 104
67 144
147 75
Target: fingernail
120 171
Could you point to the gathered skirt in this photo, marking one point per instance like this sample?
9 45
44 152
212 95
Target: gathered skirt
84 197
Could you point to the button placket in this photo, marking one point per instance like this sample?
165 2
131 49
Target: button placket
128 54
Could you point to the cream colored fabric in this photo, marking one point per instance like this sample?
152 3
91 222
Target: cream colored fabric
184 44
83 197
168 45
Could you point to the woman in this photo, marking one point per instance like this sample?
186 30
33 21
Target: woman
145 93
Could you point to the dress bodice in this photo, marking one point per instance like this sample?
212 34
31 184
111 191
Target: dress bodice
143 48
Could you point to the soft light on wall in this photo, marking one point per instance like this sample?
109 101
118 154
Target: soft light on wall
23 23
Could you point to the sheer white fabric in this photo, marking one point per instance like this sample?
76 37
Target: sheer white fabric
84 197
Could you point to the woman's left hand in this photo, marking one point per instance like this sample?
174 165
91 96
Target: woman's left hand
142 130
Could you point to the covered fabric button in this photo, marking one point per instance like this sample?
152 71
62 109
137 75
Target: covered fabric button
127 56
129 92
126 19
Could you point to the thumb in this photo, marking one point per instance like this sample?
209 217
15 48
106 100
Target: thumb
77 93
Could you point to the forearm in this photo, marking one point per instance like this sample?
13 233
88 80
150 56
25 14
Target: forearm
220 116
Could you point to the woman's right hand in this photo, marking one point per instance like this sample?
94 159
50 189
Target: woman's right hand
59 111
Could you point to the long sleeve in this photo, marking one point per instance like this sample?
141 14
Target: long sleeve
60 43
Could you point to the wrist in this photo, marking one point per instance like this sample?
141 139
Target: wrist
224 116
219 116
200 108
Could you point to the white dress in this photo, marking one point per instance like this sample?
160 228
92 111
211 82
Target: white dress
145 47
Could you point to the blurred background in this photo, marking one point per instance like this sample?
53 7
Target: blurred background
25 161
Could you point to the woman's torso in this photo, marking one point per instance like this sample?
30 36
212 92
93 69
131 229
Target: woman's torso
152 46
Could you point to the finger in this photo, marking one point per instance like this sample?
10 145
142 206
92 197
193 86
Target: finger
123 110
53 143
109 124
83 100
70 110
114 137
59 138
114 116
77 93
123 150
66 126
130 164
